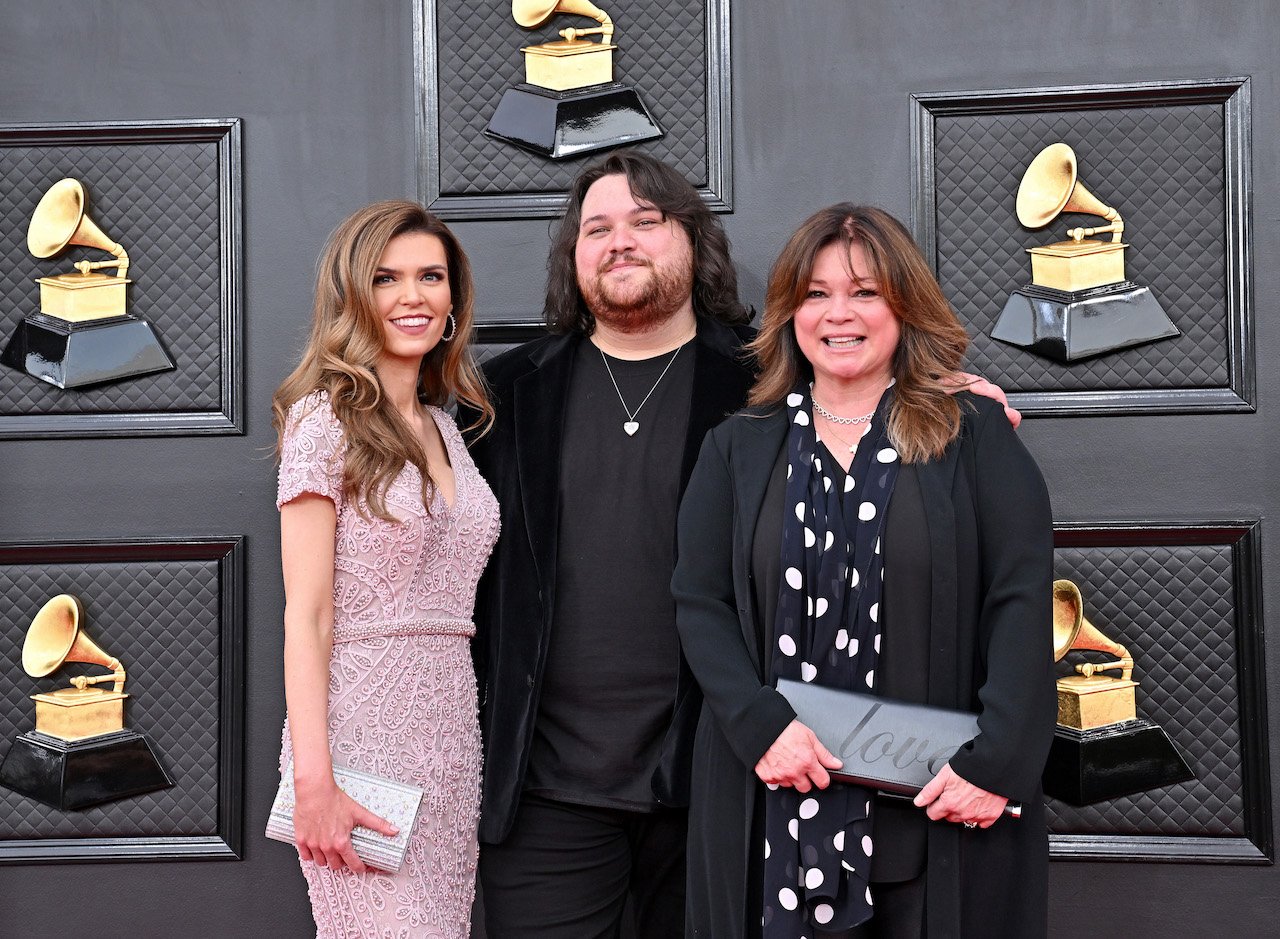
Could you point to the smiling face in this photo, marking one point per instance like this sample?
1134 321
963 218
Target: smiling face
844 327
634 265
412 296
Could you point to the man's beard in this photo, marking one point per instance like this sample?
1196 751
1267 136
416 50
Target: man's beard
631 309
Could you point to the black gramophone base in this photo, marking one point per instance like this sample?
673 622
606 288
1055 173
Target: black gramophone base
76 355
1067 326
561 124
1087 766
75 774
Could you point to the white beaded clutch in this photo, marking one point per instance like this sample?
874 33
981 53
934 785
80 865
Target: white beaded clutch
395 801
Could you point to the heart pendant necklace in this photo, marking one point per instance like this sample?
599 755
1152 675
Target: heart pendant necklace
631 425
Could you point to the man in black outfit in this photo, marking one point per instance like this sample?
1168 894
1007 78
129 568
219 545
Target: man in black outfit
598 427
587 709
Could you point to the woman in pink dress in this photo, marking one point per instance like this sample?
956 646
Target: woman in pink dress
385 527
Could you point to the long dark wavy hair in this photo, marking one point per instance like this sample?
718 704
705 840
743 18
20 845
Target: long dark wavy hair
652 182
341 355
923 418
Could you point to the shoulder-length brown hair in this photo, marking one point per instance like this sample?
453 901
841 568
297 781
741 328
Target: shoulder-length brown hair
923 418
652 182
347 339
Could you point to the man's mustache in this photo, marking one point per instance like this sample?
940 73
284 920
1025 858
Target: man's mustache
611 263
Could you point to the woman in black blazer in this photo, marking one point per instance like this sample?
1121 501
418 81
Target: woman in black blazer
859 528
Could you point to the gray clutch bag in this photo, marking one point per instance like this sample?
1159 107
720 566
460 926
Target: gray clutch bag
395 801
888 745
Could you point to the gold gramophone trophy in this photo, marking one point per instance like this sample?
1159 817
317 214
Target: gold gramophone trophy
569 105
1101 749
1079 303
80 753
82 335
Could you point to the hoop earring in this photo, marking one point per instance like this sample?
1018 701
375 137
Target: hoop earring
453 321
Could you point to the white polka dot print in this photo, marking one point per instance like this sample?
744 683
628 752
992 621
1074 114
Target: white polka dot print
808 808
787 645
793 829
795 399
842 638
866 511
794 580
871 678
810 539
802 418
848 484
823 913
866 845
887 455
838 841
808 672
820 607
787 897
813 878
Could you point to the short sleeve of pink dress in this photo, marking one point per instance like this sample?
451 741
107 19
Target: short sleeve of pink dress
402 695
311 452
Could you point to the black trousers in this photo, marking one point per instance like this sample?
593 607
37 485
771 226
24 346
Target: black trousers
566 872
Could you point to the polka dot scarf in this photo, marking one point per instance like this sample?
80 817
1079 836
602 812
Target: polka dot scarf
818 845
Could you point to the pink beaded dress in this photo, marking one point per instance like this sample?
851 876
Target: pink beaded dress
402 694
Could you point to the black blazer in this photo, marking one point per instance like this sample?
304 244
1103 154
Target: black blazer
520 458
990 651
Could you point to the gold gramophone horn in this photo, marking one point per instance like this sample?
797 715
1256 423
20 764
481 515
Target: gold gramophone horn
1072 631
55 636
531 13
1049 187
60 220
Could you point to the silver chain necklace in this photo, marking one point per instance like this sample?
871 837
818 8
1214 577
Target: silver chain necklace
631 425
836 418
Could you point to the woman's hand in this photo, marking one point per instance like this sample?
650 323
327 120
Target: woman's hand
951 798
323 816
966 381
798 759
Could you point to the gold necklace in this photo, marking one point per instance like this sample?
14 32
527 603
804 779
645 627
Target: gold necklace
853 447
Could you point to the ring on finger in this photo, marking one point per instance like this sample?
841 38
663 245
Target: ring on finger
970 825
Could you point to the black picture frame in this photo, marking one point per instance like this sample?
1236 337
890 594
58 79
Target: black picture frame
1232 95
1255 844
226 554
94 413
717 191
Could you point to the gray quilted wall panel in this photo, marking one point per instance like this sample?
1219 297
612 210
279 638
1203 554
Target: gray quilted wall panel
662 54
1174 609
162 619
1162 167
159 200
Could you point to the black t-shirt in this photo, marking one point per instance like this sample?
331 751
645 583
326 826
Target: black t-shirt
610 676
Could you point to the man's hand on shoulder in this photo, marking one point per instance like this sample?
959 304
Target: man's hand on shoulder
964 381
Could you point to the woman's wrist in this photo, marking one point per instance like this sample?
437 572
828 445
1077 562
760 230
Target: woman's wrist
314 777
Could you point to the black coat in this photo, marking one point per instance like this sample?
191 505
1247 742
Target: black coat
520 458
990 548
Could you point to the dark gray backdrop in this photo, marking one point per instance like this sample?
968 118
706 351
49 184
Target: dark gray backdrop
820 113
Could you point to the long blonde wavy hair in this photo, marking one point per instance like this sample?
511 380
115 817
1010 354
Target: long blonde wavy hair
923 418
342 352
